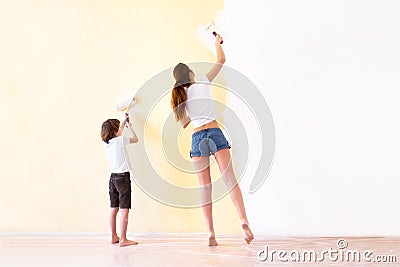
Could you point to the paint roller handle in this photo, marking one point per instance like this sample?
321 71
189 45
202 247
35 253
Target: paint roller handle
219 37
127 119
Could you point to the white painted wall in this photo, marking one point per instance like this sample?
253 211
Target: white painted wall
329 71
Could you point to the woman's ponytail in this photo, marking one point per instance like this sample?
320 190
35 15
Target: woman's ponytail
178 99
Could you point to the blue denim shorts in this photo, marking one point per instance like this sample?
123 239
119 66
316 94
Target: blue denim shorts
206 142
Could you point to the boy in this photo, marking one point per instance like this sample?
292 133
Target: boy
120 183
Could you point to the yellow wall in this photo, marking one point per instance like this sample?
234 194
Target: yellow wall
63 63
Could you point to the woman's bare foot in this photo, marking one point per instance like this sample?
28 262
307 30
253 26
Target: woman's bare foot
212 242
115 239
126 242
248 235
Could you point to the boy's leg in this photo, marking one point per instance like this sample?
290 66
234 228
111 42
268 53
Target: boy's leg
113 225
124 225
123 186
114 203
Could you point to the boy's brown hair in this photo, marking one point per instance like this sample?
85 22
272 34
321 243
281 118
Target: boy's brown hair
109 128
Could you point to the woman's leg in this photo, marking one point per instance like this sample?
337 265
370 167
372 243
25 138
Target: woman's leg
202 167
223 158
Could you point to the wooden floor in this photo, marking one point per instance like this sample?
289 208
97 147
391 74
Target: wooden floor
192 250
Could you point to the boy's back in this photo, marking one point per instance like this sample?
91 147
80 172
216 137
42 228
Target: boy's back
115 154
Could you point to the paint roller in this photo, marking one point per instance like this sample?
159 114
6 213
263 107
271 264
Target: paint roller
206 35
211 27
124 105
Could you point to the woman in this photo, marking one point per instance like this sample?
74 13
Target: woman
191 102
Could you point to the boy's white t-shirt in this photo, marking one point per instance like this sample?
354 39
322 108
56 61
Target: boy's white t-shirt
200 106
115 154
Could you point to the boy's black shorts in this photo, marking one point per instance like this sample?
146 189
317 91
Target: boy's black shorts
120 190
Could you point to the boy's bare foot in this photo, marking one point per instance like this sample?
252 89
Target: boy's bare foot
115 240
212 242
126 242
248 235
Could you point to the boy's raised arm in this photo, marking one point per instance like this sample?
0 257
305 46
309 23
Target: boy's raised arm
127 121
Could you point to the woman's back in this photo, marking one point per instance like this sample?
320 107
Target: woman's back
199 104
